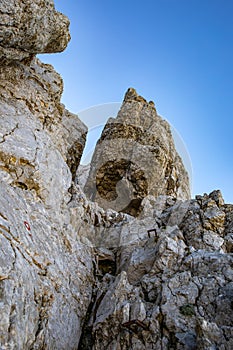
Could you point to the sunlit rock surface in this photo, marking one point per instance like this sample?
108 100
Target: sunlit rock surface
30 27
173 280
74 275
45 272
135 157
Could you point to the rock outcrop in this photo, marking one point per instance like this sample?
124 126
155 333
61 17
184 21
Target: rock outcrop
46 274
31 27
172 285
135 157
74 275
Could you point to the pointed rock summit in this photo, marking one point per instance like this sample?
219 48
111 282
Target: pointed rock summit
76 276
135 157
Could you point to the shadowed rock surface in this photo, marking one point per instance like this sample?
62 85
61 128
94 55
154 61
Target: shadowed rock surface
135 157
74 276
173 287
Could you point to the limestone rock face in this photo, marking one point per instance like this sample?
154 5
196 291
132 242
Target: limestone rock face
30 27
172 286
41 142
72 274
46 274
82 174
135 157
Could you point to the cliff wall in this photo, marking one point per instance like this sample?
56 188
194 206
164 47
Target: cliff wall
77 274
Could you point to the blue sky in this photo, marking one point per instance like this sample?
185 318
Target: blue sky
178 53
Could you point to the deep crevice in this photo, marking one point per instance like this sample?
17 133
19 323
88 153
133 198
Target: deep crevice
86 340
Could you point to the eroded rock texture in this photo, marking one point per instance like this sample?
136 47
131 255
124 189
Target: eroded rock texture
30 27
135 157
74 275
45 272
172 285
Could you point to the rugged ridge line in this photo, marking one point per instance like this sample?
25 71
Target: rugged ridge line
74 275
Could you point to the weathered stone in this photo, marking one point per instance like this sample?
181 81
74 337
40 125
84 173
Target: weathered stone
135 157
38 135
31 27
183 278
44 293
46 274
72 274
82 175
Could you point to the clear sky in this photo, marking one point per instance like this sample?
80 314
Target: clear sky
178 53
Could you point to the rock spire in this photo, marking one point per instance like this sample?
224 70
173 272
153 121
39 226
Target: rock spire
135 157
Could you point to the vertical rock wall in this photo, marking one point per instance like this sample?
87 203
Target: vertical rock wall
45 272
72 274
172 285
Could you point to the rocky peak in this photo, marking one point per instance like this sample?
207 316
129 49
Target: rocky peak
41 144
132 95
72 274
135 157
